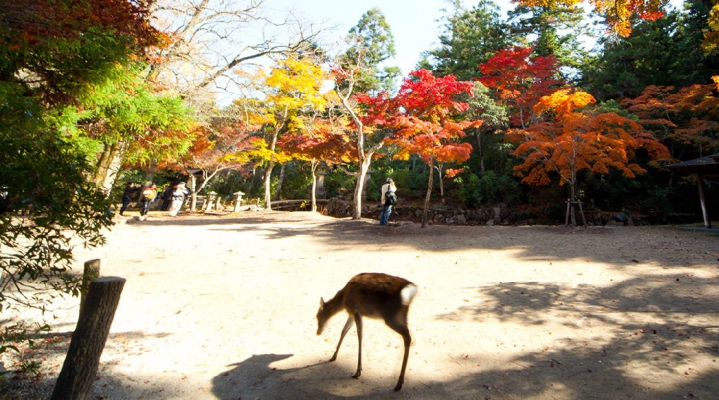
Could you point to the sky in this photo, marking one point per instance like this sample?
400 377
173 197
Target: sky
413 23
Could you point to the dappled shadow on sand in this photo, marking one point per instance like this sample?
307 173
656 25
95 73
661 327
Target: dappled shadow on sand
651 337
640 339
573 371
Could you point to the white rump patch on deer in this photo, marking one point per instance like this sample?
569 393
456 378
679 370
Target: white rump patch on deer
407 294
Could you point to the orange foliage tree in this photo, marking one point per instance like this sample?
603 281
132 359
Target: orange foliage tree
573 138
324 141
424 116
221 145
686 119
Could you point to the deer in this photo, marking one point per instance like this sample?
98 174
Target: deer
371 295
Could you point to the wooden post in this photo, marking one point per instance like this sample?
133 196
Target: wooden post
705 213
83 357
581 211
91 272
566 217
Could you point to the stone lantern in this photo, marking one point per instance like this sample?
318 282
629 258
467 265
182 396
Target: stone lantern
210 202
238 200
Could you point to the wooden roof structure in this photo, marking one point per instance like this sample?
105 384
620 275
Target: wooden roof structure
708 166
703 167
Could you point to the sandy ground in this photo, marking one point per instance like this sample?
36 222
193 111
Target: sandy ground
224 308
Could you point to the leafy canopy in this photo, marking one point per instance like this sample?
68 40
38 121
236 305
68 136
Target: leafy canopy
618 14
573 138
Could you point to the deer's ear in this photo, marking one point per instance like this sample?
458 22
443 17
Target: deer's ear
322 302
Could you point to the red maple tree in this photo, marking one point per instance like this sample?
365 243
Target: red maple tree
425 118
324 141
520 81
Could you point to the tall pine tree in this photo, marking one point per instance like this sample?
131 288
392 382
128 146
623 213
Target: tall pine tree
469 38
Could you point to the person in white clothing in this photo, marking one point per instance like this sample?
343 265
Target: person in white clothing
178 198
387 205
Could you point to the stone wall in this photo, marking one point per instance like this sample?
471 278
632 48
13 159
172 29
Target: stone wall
500 215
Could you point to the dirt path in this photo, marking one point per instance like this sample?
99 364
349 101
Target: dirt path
224 308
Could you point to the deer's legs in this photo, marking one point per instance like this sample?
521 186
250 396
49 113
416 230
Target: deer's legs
347 327
399 325
358 320
400 381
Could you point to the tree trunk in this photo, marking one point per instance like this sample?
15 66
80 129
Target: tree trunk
109 165
150 173
83 357
90 273
102 165
268 173
573 201
441 183
313 166
279 182
253 182
268 182
478 134
193 196
429 192
359 187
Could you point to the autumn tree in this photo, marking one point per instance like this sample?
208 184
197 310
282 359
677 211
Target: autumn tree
520 81
686 120
209 41
324 141
225 144
353 72
572 138
125 111
711 37
292 90
52 53
424 117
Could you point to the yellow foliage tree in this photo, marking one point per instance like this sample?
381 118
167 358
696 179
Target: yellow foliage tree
291 92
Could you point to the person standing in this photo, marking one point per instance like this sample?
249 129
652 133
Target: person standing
148 195
387 201
178 198
166 197
127 196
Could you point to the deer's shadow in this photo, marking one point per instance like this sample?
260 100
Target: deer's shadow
255 377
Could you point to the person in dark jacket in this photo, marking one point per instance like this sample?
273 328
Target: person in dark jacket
166 197
128 195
